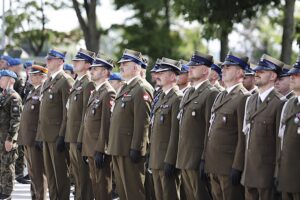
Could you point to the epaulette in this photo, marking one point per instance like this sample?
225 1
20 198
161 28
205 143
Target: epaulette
245 91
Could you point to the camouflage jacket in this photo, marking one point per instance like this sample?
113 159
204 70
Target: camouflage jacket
10 112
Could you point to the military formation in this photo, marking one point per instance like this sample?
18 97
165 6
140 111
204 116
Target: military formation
203 130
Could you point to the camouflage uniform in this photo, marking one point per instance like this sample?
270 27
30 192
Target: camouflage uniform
10 110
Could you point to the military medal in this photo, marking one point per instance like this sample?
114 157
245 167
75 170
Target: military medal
297 118
224 119
94 111
193 113
51 96
123 105
162 119
75 98
32 107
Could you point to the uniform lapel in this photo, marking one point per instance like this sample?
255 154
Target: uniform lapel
203 86
294 109
164 100
264 104
227 98
127 88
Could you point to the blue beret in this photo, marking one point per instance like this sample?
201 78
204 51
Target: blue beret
68 67
8 73
28 64
55 54
115 76
13 62
6 58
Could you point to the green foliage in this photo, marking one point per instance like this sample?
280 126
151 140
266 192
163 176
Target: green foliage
149 29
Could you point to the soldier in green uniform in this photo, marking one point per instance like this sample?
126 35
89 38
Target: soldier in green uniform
194 118
129 128
261 123
164 132
96 128
220 157
28 131
10 111
52 125
76 107
289 133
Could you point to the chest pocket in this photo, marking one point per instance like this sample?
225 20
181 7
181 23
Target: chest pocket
95 111
77 96
226 118
194 109
35 104
264 126
164 111
126 100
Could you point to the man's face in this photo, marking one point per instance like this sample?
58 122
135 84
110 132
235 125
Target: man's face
3 64
164 78
249 82
295 82
80 65
36 79
53 64
282 84
197 72
4 81
213 76
127 69
154 77
230 73
182 79
97 73
263 78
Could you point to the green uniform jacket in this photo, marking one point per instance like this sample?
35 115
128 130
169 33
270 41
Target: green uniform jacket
194 123
76 106
53 111
226 136
164 135
130 118
97 120
289 163
29 118
260 155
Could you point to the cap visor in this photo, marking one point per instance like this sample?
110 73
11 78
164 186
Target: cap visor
125 60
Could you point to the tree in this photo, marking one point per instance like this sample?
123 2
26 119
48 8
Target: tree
220 14
288 31
89 25
26 25
150 28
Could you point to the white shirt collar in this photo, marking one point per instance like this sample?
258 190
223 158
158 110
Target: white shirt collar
99 86
231 88
298 99
264 95
198 85
255 87
167 92
130 80
183 90
55 73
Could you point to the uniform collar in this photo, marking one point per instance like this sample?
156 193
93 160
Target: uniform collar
231 88
55 73
199 84
99 86
264 95
132 79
